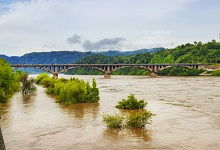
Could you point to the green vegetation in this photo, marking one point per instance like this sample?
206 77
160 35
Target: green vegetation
70 91
27 84
9 81
43 76
190 53
131 71
185 53
131 103
101 59
113 121
139 119
216 73
180 71
135 120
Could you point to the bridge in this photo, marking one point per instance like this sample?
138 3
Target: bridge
107 69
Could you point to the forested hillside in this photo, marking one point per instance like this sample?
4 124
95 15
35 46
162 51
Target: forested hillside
67 57
190 53
185 53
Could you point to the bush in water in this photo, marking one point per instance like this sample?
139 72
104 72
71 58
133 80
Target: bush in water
113 121
135 120
27 84
139 119
131 103
70 91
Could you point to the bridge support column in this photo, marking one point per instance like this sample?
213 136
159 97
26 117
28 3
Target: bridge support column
107 75
55 75
153 75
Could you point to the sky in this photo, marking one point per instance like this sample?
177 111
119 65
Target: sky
98 25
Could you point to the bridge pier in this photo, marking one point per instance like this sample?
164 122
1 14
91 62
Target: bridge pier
153 75
55 75
107 75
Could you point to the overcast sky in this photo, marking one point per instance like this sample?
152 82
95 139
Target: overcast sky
84 25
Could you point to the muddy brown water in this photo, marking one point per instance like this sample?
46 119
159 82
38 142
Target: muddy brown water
187 117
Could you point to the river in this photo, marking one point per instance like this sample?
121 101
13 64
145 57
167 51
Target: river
187 117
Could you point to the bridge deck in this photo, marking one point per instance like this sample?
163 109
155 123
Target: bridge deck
72 65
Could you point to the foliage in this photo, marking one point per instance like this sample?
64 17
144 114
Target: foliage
66 57
131 71
190 53
131 103
27 84
113 121
9 81
101 59
41 77
139 119
180 71
70 91
135 120
216 73
186 53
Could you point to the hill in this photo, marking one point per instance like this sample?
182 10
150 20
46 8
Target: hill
66 57
185 53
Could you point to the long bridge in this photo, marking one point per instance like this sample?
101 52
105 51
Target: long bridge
107 69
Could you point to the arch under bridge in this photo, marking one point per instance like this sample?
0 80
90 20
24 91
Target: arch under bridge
107 69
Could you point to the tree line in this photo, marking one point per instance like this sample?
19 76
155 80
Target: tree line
197 52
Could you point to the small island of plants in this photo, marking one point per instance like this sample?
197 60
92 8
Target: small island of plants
138 119
69 91
135 120
131 103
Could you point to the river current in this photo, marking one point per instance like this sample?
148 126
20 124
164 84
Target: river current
187 117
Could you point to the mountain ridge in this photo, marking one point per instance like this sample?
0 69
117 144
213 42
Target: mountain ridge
66 57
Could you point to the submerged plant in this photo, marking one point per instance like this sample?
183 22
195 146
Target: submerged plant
113 121
131 103
27 84
139 119
70 91
135 120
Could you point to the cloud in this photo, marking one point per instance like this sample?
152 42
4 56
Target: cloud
103 44
32 25
75 39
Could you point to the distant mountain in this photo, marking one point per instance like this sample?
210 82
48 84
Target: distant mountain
66 57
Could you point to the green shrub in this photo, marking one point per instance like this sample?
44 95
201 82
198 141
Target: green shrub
216 73
70 91
134 120
9 81
139 119
41 77
131 103
180 71
113 121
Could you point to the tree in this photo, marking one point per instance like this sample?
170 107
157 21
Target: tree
27 85
9 81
